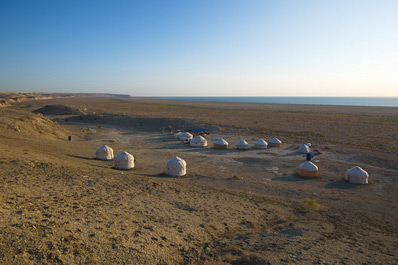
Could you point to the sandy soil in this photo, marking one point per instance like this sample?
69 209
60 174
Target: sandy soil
59 205
354 110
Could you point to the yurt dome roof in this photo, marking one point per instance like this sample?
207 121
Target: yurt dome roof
275 141
357 172
308 166
176 161
260 142
241 142
104 148
221 142
104 153
198 139
186 134
124 156
304 148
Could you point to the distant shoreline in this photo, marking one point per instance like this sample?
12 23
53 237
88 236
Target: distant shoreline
11 98
324 101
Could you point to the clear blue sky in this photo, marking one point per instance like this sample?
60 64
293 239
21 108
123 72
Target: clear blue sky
201 48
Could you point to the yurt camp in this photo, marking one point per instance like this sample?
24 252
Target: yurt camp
304 149
275 142
198 141
357 175
124 160
260 144
176 167
177 134
242 144
308 170
185 136
104 153
221 144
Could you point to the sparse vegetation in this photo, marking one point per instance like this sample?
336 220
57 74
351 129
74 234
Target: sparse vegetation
236 177
311 204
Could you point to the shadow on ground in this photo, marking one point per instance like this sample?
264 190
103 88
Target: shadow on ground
292 178
82 157
292 154
341 184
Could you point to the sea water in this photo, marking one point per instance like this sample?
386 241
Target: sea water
346 101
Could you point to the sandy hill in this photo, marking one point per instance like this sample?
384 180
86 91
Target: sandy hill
59 110
28 124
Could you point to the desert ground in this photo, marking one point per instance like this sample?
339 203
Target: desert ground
59 205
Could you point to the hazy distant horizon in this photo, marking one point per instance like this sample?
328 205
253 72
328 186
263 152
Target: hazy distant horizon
183 96
206 48
335 101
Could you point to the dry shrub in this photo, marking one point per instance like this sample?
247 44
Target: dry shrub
236 177
311 204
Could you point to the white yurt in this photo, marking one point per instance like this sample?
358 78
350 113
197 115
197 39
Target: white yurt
357 175
124 160
304 149
220 144
260 144
275 142
242 144
308 169
185 136
176 167
177 134
198 141
104 153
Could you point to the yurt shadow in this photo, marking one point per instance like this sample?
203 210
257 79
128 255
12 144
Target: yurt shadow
171 146
341 184
235 150
291 178
164 175
208 150
82 157
214 151
159 175
291 154
108 166
197 150
267 153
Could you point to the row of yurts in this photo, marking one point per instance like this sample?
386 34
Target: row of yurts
177 166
